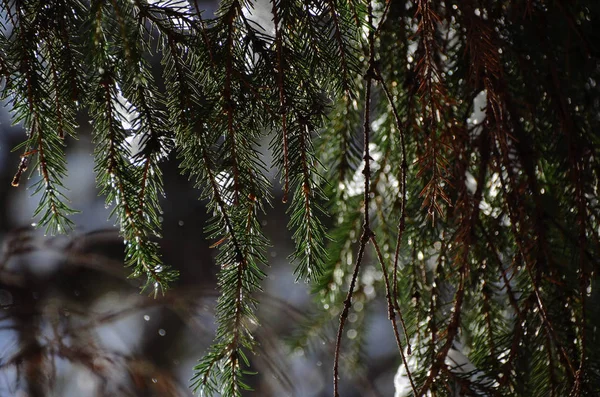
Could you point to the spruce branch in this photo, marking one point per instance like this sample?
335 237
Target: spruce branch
494 104
309 232
302 109
432 96
119 170
236 188
29 89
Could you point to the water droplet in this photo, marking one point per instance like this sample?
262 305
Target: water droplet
352 334
146 317
180 223
154 380
162 332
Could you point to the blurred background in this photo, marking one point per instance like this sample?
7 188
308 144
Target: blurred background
73 324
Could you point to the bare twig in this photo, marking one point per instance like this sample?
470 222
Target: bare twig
367 232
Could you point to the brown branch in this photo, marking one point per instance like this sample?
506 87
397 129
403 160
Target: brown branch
384 15
367 233
347 304
433 99
465 235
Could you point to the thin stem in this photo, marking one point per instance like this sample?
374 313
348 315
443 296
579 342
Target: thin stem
347 304
367 232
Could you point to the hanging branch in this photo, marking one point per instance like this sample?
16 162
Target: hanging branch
367 233
28 93
464 238
115 178
298 124
543 313
309 231
234 199
516 190
119 170
433 96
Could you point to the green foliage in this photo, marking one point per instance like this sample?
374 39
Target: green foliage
460 135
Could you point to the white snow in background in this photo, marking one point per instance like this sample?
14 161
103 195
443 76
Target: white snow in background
134 144
225 181
127 113
457 363
479 104
471 182
261 14
401 381
129 118
356 186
